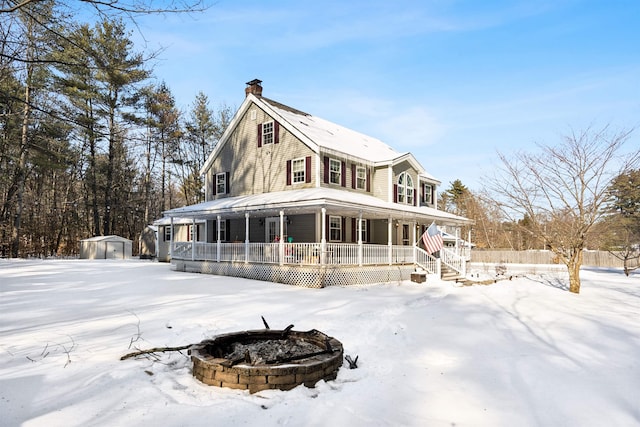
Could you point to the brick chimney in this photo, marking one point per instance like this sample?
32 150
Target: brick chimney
254 87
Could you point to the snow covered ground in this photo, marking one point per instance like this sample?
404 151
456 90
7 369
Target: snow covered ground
524 352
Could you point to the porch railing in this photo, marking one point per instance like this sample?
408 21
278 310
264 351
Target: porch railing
454 261
313 254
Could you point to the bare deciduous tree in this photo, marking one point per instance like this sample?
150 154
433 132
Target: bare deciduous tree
562 189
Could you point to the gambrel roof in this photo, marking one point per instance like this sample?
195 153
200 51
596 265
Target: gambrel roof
322 135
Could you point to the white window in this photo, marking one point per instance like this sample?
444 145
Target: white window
364 230
361 178
192 233
428 194
335 228
223 231
298 170
267 133
167 233
221 183
405 188
335 171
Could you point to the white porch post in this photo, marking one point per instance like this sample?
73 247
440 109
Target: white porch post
218 244
171 240
323 239
390 239
360 248
414 239
246 240
193 239
281 245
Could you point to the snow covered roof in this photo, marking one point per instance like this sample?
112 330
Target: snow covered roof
111 238
309 200
167 221
332 136
320 134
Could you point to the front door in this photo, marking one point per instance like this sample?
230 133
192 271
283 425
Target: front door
405 235
271 229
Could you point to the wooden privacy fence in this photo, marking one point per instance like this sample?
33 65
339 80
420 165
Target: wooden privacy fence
590 258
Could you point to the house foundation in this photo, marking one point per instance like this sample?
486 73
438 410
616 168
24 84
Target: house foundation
306 276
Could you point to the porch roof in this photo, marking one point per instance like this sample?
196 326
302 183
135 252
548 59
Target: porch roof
310 200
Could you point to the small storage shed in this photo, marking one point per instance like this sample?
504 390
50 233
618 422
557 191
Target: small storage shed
105 247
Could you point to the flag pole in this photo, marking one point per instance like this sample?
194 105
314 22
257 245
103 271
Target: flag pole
421 234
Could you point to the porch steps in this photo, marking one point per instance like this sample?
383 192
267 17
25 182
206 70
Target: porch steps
451 275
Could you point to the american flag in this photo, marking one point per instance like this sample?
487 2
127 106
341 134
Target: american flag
432 239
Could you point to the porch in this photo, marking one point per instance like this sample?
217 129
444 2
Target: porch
313 264
285 236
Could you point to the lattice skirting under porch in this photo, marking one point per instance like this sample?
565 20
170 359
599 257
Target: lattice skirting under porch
305 276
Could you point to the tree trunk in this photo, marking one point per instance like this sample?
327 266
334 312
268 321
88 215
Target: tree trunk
106 222
22 165
573 265
93 175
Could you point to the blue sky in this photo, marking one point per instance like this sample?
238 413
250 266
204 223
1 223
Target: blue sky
453 82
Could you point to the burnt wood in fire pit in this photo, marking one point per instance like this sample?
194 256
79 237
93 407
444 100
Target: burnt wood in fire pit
267 359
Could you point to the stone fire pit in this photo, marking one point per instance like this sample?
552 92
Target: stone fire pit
267 359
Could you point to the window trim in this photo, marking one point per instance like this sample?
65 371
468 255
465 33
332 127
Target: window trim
167 233
224 183
337 174
302 161
427 190
363 179
268 137
337 228
406 192
222 232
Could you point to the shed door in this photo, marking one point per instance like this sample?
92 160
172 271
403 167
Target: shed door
115 250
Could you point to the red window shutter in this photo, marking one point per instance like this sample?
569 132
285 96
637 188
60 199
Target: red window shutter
344 223
395 193
368 230
260 135
326 169
276 132
353 175
368 181
227 183
307 169
326 226
343 174
354 231
288 172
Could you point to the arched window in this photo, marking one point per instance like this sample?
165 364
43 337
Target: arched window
405 188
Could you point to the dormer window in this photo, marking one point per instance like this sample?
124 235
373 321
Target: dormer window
335 171
405 189
361 178
427 194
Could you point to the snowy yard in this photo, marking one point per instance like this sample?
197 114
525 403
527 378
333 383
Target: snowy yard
524 352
